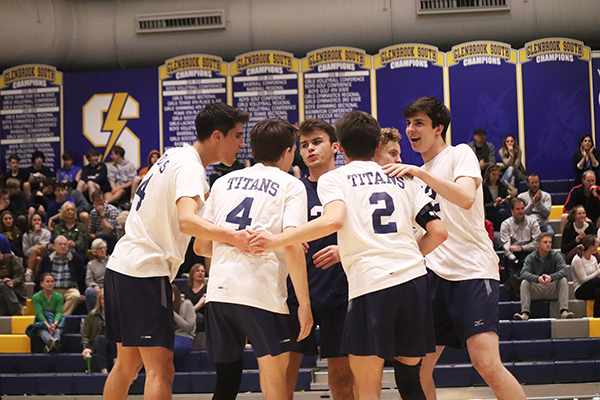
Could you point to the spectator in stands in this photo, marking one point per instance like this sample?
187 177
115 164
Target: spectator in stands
484 150
69 271
13 169
70 173
518 234
4 245
538 203
41 199
12 289
12 232
48 307
4 200
60 197
36 174
544 277
586 274
19 204
120 177
153 157
93 336
586 158
577 227
35 243
195 291
75 231
121 220
185 324
585 195
93 175
103 220
496 197
510 153
94 276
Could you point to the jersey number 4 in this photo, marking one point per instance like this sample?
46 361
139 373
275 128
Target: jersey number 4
244 219
386 211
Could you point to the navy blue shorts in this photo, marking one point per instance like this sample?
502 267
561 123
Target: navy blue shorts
331 325
462 309
139 311
391 322
228 326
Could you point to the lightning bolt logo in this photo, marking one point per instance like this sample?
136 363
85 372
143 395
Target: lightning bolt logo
113 121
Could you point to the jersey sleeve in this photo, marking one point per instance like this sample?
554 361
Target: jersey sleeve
295 205
209 213
189 177
329 188
466 163
419 198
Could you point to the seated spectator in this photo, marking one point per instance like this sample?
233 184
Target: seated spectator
586 158
35 243
195 291
185 324
41 199
94 277
69 271
586 274
19 204
70 173
121 220
48 307
518 234
4 245
12 233
585 195
93 175
544 277
510 153
574 232
538 203
36 174
14 171
103 220
484 150
12 289
93 336
60 197
120 177
495 197
75 231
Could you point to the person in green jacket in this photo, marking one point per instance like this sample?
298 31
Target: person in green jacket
48 307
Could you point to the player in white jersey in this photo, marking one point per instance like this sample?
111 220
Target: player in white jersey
247 294
463 276
389 314
163 217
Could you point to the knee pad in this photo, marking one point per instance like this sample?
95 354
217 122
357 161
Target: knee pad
408 381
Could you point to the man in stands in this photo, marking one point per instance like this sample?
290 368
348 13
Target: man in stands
538 204
120 176
517 235
586 195
484 150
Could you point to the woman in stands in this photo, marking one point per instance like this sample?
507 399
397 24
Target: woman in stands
185 324
93 336
495 197
12 233
35 242
69 227
94 276
575 230
510 153
195 291
48 307
586 158
586 274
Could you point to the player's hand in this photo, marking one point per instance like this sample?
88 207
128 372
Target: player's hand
261 242
326 257
241 239
305 247
399 170
306 322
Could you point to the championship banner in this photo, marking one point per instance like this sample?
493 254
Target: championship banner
557 109
483 92
31 114
265 84
104 109
337 80
404 73
187 84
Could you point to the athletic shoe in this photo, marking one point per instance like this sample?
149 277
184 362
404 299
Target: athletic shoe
57 344
567 315
521 317
49 346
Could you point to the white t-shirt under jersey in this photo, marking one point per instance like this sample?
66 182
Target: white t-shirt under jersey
262 198
468 253
377 245
153 245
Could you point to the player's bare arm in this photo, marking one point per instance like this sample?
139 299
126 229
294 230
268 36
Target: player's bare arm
326 257
435 235
332 220
460 192
192 224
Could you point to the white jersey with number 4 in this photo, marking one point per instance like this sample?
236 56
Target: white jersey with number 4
468 253
153 245
377 244
262 198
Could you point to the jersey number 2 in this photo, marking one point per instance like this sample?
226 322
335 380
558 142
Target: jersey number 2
387 211
241 220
